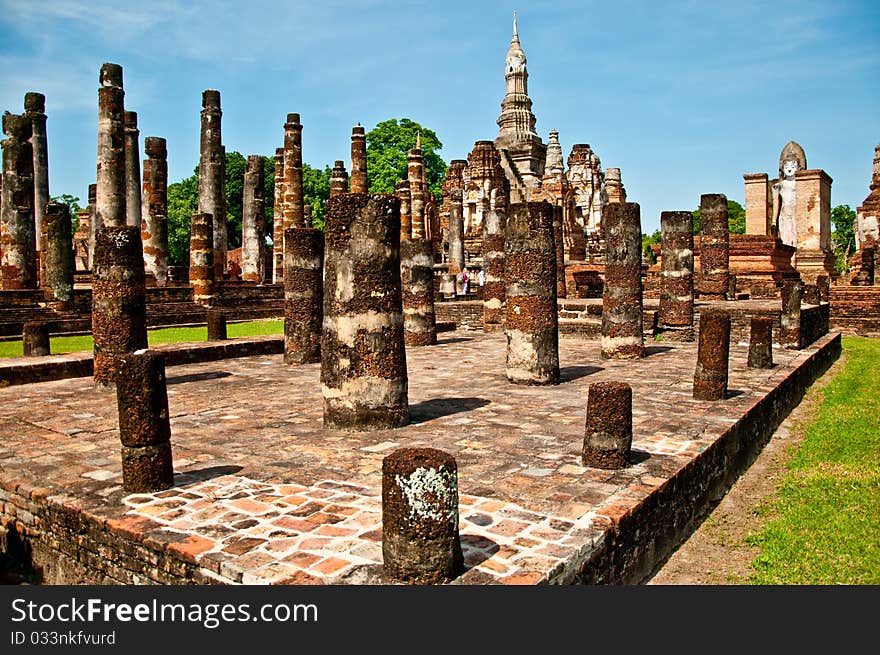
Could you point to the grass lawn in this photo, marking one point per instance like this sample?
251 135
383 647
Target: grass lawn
60 345
823 524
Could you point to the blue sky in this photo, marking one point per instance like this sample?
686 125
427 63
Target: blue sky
685 97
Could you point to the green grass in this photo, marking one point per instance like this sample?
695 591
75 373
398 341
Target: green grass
823 524
71 344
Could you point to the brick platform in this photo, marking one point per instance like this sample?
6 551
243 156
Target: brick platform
265 495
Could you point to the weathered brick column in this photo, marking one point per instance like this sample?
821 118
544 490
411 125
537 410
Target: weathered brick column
35 109
453 199
201 259
216 322
35 339
110 195
402 192
622 336
561 291
608 432
493 264
790 319
420 538
676 316
132 171
338 178
18 248
710 376
530 286
293 173
363 358
414 166
154 210
56 258
144 423
303 295
417 288
714 247
278 219
253 221
212 184
93 223
761 342
358 160
119 308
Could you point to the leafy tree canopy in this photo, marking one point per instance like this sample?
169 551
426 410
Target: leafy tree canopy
736 218
72 203
387 145
843 242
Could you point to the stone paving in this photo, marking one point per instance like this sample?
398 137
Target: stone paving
264 495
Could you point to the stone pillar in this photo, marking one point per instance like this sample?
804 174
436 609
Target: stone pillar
676 316
420 539
493 264
758 219
293 173
154 210
710 376
416 192
18 241
358 160
132 171
402 191
56 258
530 286
278 219
761 342
813 213
714 247
201 259
608 433
253 221
35 109
216 325
303 295
144 423
614 187
119 308
363 358
622 335
338 179
212 185
110 197
35 339
93 223
560 251
417 289
790 319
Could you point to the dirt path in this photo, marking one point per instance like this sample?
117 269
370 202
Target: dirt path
717 554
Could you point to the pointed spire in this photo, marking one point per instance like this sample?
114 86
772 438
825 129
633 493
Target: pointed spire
515 35
419 140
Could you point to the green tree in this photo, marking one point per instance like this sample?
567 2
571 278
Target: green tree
387 144
316 192
736 218
647 241
183 202
72 203
843 218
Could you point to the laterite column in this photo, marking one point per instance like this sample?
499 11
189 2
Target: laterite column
608 432
110 191
293 173
278 219
676 316
212 184
35 339
790 318
761 342
18 240
93 223
201 259
622 336
154 210
303 294
710 376
35 109
132 171
493 265
338 178
530 286
561 291
216 325
56 258
417 288
358 160
253 221
363 358
402 191
714 247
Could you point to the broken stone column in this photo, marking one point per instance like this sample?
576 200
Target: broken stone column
132 171
676 316
338 179
790 319
714 247
761 342
358 160
56 258
303 295
622 336
293 173
253 221
363 358
530 287
144 423
216 325
110 196
278 219
212 183
414 168
93 223
119 308
608 433
560 252
402 191
710 376
493 264
18 240
35 339
453 198
201 259
420 538
35 109
154 210
417 288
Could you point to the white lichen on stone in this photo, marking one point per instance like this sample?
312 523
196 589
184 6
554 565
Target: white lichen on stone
432 494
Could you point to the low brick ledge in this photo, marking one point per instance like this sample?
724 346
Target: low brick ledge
27 370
